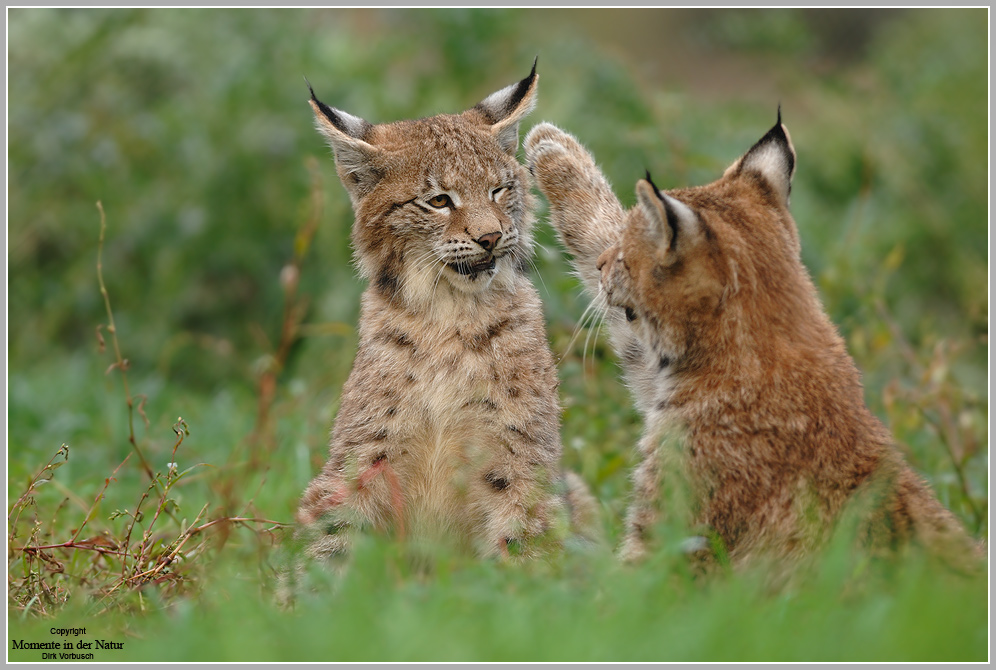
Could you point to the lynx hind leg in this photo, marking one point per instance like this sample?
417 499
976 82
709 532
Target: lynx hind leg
583 209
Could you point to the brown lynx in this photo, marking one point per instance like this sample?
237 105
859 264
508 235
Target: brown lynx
449 423
747 391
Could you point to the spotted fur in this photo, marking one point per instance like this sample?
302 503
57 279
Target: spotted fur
448 425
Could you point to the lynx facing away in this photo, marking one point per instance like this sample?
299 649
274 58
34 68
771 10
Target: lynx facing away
748 394
448 428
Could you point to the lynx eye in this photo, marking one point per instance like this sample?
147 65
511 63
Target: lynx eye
441 201
499 192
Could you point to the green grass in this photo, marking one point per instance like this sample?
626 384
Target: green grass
191 128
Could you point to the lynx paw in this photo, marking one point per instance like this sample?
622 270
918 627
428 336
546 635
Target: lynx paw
547 132
633 550
558 161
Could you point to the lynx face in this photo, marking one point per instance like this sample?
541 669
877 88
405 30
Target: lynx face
654 282
690 264
441 219
441 203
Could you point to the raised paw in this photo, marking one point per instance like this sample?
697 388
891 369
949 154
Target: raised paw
558 161
547 132
583 209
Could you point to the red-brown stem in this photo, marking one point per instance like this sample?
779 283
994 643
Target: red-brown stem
120 362
71 545
96 501
293 314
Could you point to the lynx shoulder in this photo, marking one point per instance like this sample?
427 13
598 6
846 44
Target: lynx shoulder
748 394
448 425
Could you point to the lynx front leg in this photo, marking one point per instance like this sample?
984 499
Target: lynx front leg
518 513
644 509
335 503
516 490
583 209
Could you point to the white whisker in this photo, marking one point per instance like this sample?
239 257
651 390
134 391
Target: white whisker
531 259
593 315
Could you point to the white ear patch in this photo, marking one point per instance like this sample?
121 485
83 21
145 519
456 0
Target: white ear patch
504 109
681 210
668 218
774 164
773 158
502 103
353 125
770 161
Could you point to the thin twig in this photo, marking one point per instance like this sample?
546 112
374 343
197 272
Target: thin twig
295 309
944 425
18 504
96 501
71 544
120 363
943 430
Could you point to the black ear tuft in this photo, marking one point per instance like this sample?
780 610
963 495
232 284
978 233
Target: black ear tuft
352 126
672 216
662 210
327 111
502 110
773 157
657 191
521 89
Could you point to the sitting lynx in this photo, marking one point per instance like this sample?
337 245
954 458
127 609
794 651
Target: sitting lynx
449 422
747 391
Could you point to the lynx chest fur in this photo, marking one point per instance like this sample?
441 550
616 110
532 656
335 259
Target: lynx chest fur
448 427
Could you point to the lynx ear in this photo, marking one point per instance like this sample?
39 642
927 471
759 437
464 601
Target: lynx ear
503 110
355 159
773 157
668 219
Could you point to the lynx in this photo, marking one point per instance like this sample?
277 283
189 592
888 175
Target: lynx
749 397
448 427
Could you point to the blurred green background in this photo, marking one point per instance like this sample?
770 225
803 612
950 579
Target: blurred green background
191 127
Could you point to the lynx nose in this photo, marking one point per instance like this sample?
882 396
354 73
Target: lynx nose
489 241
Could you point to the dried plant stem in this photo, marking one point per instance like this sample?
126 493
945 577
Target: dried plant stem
295 308
73 545
120 363
96 501
157 556
180 428
19 503
948 434
945 423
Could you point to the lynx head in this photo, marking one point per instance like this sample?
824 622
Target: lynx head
695 267
441 203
